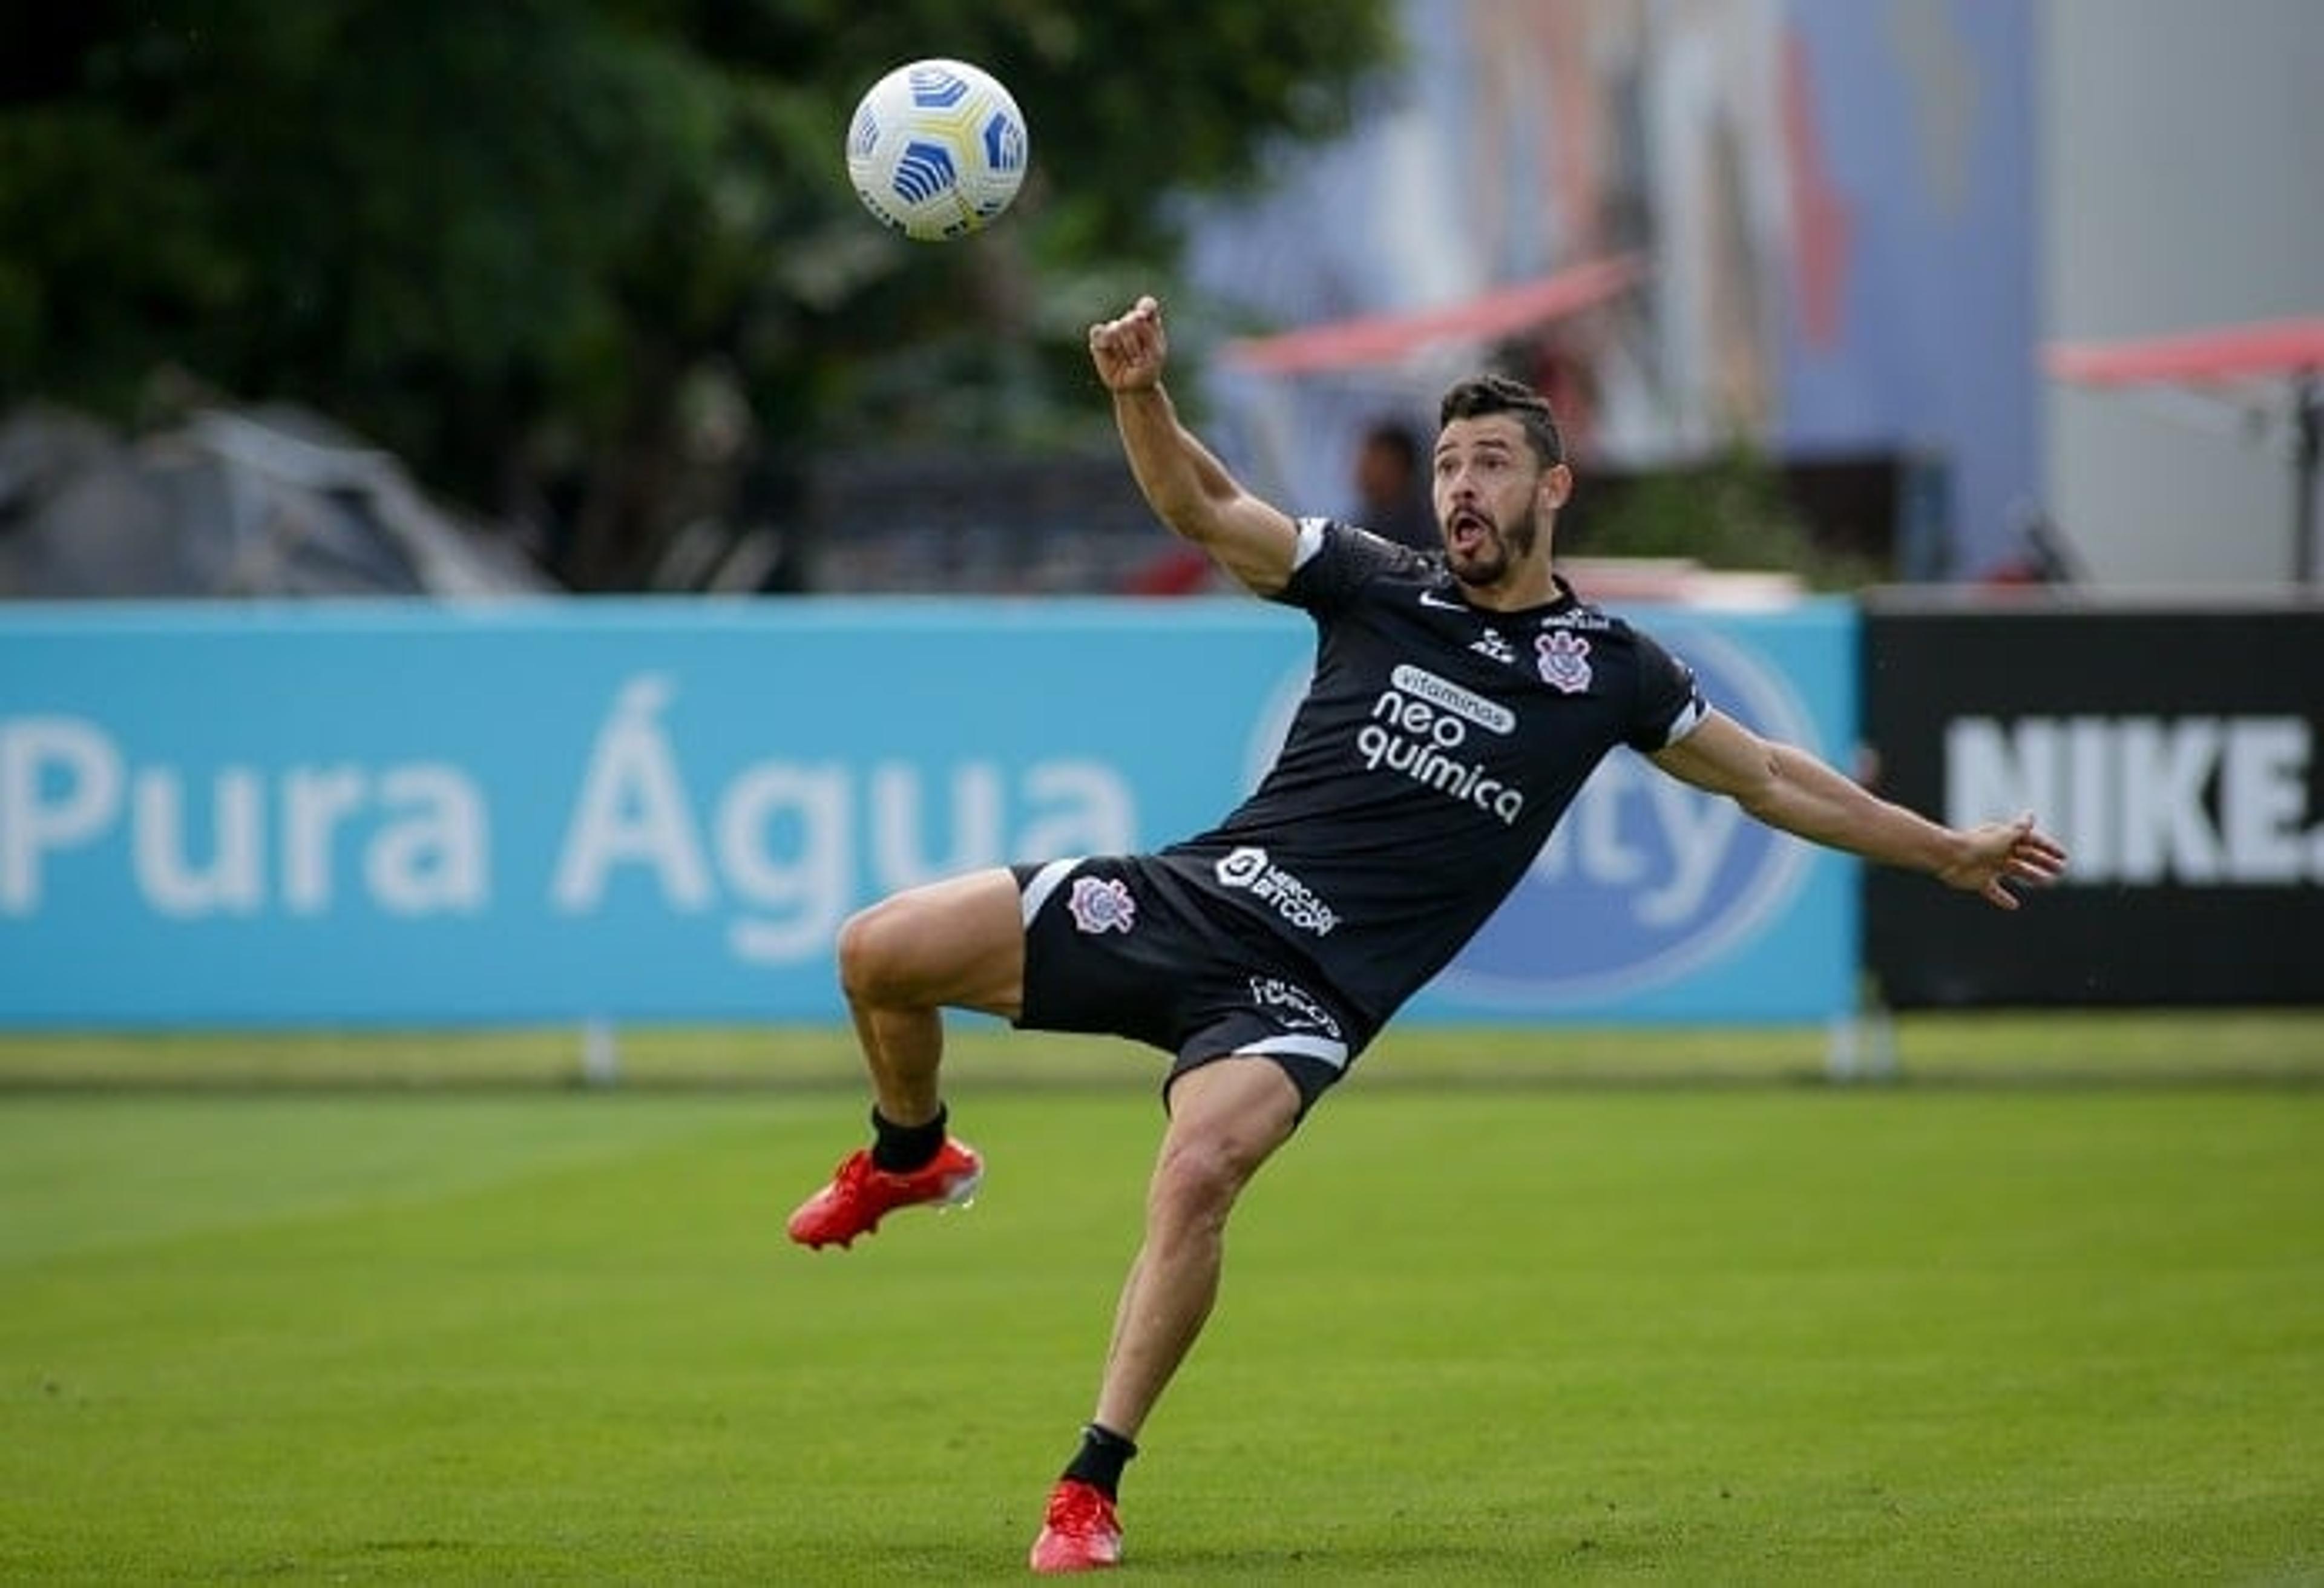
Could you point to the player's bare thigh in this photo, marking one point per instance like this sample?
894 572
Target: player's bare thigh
959 943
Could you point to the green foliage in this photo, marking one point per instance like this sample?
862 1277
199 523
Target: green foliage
1728 514
507 240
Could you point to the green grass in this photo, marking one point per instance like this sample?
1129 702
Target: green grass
1762 1333
2271 1045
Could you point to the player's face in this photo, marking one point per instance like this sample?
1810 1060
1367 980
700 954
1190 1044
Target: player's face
1492 498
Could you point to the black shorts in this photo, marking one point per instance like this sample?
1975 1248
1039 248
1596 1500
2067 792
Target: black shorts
1114 945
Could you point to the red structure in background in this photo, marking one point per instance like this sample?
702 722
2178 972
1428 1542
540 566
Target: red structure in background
1390 338
2225 355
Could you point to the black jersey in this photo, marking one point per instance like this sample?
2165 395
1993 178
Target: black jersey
1437 747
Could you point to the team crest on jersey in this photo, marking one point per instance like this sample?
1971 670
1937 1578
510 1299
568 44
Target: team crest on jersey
1565 659
1102 904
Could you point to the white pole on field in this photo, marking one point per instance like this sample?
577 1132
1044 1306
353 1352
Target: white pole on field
1861 1046
601 1052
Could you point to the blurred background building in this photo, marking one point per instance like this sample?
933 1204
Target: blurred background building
1838 234
2181 153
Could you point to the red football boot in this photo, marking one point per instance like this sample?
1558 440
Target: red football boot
862 1194
1080 1533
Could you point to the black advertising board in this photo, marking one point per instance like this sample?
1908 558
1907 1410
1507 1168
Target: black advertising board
2178 752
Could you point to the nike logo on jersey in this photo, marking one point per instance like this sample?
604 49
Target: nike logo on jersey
1431 598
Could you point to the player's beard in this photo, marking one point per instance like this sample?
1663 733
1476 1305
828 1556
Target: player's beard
1501 548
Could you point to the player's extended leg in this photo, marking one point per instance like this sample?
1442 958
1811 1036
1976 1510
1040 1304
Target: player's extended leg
1225 1119
960 943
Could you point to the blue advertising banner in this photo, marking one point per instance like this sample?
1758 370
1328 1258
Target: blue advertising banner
354 813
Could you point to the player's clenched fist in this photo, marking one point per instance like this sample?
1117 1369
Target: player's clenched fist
1129 352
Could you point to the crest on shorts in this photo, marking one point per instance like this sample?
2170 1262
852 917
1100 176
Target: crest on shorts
1102 904
1565 659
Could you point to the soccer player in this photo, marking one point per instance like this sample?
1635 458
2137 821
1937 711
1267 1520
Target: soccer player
1422 773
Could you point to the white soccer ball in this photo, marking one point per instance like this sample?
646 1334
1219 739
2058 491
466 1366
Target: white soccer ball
937 149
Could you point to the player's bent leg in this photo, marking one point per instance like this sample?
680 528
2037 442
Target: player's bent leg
960 942
957 943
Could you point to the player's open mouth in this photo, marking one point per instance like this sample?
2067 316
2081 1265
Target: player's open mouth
1467 530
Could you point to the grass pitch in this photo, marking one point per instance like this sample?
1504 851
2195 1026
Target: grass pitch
1768 1333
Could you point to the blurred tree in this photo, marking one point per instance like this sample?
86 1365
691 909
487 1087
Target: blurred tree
585 262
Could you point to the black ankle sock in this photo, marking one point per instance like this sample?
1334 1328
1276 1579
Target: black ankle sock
1100 1460
901 1149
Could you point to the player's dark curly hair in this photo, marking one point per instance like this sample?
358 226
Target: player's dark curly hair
1487 395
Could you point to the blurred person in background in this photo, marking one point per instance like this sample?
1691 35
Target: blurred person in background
1391 487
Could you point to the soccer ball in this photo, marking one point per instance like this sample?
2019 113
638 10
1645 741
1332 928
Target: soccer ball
937 149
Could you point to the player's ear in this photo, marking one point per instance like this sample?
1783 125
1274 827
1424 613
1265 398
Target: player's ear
1556 485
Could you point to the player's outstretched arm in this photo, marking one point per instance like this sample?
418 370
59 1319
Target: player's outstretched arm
1187 487
1786 788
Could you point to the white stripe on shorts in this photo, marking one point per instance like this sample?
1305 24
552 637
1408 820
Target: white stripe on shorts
1334 1054
1044 883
